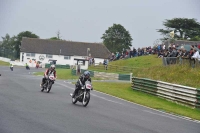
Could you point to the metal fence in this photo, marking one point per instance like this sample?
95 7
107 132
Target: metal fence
105 75
8 53
178 93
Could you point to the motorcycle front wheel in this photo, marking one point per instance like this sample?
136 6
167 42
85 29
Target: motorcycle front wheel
49 87
86 99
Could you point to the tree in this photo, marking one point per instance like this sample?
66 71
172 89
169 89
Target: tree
18 40
54 38
117 38
6 41
196 38
58 36
184 28
7 46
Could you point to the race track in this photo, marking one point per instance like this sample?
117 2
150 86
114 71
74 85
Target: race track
24 109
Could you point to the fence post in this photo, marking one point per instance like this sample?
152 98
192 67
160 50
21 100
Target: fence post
131 74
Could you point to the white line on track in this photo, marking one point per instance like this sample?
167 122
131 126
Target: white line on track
160 114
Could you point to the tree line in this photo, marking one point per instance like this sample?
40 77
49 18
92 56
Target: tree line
116 38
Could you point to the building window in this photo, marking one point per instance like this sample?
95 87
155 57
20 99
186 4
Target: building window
49 56
30 54
67 57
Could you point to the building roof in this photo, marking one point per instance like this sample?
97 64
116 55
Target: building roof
60 47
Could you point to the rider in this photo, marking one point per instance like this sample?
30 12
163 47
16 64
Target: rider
26 65
47 73
81 81
11 66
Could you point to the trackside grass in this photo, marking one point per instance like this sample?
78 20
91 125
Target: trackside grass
151 67
64 74
124 91
2 63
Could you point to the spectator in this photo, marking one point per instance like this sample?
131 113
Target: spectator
164 47
105 63
93 61
185 54
160 54
179 55
196 55
166 53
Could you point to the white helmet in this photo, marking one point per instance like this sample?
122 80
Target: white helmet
53 66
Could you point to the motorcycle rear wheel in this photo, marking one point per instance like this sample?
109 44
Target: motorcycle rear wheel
74 100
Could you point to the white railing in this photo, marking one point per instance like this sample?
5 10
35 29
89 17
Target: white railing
178 93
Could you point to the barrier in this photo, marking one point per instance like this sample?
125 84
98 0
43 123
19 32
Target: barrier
58 66
104 75
5 59
182 94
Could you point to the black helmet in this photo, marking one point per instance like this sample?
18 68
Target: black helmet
86 74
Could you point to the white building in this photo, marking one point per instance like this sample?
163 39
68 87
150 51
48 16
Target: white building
64 52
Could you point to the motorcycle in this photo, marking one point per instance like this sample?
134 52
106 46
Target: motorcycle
37 66
83 94
11 68
48 84
27 68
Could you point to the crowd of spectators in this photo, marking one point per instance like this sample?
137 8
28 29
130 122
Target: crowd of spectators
128 53
174 52
171 50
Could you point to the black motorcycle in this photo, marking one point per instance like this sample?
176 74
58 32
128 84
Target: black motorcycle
48 84
27 68
83 94
11 68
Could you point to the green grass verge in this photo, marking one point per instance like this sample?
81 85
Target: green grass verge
151 67
61 74
134 63
64 74
2 63
139 62
124 91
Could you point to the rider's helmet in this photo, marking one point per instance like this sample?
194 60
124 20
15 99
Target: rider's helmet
86 74
52 66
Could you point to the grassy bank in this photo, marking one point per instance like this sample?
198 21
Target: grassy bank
2 63
151 67
65 74
61 74
124 91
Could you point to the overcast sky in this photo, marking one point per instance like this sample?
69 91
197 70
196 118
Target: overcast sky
87 20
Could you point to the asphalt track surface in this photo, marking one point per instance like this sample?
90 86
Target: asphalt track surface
24 109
